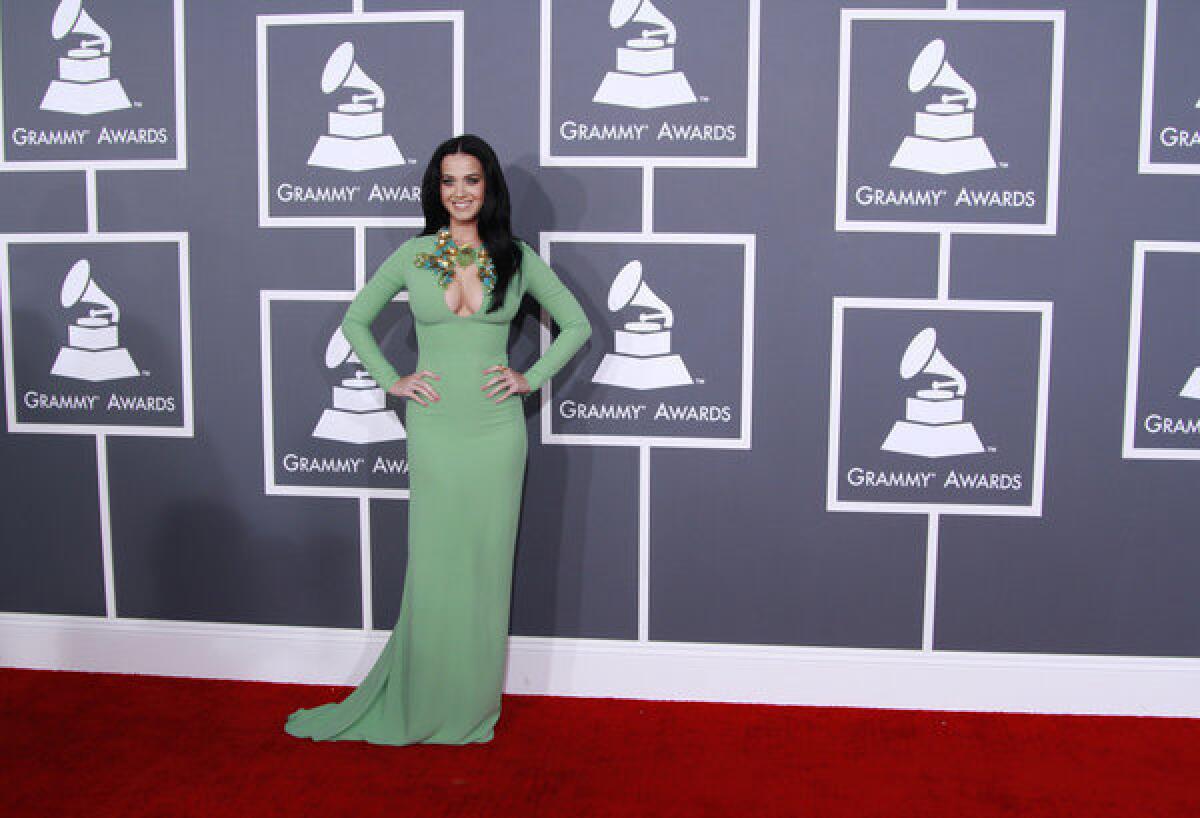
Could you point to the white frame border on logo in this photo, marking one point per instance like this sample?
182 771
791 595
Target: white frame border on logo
177 163
265 300
263 21
1047 228
1146 138
742 441
1034 508
1129 450
749 160
185 333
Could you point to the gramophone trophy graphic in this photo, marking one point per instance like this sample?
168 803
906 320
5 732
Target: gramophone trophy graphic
933 424
943 139
359 413
84 84
645 75
92 352
1191 389
356 140
642 357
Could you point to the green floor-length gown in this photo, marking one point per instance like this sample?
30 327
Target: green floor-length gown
440 675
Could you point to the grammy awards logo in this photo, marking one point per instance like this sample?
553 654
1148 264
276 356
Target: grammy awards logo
84 85
933 424
642 357
645 76
359 413
943 139
92 352
1191 389
355 141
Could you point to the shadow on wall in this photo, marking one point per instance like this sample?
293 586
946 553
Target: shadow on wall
551 477
533 209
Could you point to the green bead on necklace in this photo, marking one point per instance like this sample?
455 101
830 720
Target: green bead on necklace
464 255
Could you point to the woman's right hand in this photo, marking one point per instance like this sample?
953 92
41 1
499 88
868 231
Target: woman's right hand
414 386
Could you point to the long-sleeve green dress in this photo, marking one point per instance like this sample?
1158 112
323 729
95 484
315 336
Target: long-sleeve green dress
439 677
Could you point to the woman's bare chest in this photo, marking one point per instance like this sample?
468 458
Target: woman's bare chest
463 295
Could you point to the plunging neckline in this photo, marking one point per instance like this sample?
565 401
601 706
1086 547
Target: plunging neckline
483 291
482 302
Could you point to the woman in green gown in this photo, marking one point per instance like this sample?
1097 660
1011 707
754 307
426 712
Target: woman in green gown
439 677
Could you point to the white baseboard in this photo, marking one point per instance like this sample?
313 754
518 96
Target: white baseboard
908 679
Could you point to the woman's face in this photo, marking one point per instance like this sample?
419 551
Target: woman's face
462 187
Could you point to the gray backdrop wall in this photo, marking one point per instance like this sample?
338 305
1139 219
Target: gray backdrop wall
794 487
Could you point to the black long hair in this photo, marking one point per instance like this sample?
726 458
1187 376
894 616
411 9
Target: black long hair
495 228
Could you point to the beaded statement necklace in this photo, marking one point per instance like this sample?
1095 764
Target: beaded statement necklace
447 255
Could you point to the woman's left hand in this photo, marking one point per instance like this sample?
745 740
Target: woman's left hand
504 382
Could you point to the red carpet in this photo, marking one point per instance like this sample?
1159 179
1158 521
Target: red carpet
76 744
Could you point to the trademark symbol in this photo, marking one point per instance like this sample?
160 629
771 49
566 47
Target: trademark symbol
703 99
412 161
137 104
1001 164
697 380
991 448
145 371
